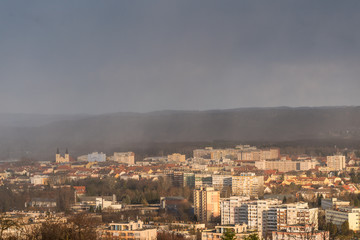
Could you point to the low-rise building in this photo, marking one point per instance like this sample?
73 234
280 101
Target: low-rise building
39 179
240 231
128 230
41 203
299 232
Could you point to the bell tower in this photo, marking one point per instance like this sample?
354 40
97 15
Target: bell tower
67 157
57 155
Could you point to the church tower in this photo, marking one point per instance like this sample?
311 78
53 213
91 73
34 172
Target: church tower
57 156
67 157
60 159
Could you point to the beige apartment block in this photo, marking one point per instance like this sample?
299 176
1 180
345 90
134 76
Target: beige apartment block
247 184
124 157
221 182
206 204
176 157
286 165
336 163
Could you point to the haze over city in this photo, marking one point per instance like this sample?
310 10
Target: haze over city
74 57
179 120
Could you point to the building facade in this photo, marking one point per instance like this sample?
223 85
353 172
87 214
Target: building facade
342 214
247 184
300 232
336 163
124 157
176 157
96 157
61 159
131 230
206 204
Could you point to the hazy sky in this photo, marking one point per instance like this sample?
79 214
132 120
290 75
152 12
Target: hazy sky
112 56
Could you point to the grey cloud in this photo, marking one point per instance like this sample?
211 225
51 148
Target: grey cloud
109 56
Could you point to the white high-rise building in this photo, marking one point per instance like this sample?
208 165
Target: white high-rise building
266 215
278 217
239 210
230 209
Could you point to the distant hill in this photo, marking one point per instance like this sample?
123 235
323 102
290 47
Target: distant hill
113 131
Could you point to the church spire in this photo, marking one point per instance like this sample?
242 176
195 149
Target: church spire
66 152
57 151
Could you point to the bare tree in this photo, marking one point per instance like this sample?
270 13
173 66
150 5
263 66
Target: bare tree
6 224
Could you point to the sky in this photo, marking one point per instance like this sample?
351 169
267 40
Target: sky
117 56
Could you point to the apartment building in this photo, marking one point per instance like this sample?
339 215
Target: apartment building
248 155
176 157
267 215
271 153
221 182
238 210
278 217
203 180
336 163
124 157
178 179
330 203
203 153
39 179
129 230
299 232
96 157
206 204
189 180
247 184
286 165
217 233
342 214
241 152
230 209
